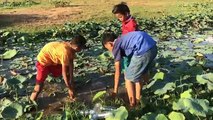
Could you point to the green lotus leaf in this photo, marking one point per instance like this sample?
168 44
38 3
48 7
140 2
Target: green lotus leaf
165 88
99 95
105 56
159 76
186 94
176 116
21 78
4 103
161 117
153 116
9 54
210 86
198 40
206 79
120 113
178 34
14 110
166 97
198 107
149 116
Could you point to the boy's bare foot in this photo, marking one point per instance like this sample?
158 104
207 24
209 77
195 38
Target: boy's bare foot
13 72
71 93
132 106
1 80
69 99
138 102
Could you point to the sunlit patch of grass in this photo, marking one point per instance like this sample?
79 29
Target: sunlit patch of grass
31 28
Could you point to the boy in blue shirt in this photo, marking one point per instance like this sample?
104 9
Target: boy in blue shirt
142 49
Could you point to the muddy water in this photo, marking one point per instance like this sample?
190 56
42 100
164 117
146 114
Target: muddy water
54 95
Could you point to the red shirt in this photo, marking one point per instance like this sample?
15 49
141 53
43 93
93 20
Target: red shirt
129 25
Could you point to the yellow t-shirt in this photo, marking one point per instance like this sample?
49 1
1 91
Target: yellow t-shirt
54 53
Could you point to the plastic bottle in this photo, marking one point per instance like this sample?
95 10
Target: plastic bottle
98 112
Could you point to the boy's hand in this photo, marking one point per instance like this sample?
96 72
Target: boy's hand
71 94
115 90
113 94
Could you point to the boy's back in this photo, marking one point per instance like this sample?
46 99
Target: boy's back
55 53
141 49
133 43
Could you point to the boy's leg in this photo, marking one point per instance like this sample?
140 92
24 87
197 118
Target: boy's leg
138 88
37 89
138 69
130 86
42 73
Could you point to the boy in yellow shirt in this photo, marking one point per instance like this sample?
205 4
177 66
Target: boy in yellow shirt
56 58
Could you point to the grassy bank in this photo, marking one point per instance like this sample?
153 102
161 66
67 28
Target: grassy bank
92 10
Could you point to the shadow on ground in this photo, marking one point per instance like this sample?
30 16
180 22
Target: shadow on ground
7 20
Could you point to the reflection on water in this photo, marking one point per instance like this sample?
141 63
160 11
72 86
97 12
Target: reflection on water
209 56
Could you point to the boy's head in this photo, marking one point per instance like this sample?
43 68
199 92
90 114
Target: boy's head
78 43
108 40
121 11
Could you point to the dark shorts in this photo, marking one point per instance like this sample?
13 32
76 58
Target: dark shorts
139 65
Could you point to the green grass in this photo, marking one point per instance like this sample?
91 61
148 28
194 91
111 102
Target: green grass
100 11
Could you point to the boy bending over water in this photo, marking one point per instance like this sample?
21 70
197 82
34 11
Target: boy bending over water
142 50
56 58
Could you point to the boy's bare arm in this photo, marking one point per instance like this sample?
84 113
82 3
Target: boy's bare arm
66 76
117 76
71 67
66 70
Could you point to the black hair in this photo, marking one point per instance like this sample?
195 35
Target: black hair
108 36
79 40
121 8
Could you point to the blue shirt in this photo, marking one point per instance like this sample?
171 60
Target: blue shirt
133 43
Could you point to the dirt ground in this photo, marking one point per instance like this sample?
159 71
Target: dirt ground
43 16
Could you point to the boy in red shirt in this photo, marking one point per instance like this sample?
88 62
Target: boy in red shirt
56 58
122 12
